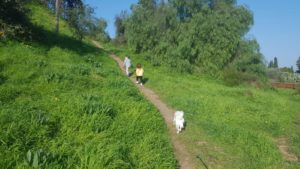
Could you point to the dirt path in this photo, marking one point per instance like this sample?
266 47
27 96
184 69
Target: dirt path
181 153
284 149
182 156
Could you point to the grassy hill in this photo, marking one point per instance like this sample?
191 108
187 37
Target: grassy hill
229 127
65 104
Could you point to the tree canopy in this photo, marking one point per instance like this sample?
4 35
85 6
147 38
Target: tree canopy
81 17
275 62
14 22
205 35
298 64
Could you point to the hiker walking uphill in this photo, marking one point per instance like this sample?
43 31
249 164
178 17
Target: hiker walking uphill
127 64
139 71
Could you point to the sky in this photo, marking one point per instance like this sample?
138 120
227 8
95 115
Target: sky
276 25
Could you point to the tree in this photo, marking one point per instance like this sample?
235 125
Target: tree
298 65
120 27
275 63
98 33
85 24
80 18
287 69
271 64
67 6
120 23
57 14
185 9
248 58
207 35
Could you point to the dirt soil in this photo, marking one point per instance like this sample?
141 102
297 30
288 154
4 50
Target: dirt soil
284 149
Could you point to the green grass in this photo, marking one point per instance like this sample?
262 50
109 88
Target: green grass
65 104
228 127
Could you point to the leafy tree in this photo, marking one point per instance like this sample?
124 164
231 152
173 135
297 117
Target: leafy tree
139 27
120 27
67 6
249 59
287 69
85 24
185 9
97 30
57 9
148 4
205 35
275 63
271 64
298 65
80 18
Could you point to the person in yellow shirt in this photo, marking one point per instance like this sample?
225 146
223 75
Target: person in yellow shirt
139 71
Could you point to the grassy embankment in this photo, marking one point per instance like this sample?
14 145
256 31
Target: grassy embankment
229 127
65 104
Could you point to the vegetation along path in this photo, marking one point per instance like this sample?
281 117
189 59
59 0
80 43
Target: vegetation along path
181 153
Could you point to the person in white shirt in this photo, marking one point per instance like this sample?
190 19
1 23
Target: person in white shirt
127 64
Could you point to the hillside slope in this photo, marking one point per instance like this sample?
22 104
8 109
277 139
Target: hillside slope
65 104
240 127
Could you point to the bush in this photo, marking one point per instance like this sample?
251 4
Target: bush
281 76
298 89
121 40
233 77
13 20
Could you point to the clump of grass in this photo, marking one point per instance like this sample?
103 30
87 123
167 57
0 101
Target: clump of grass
54 77
232 77
9 94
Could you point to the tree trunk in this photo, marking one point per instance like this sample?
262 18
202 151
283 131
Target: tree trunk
57 4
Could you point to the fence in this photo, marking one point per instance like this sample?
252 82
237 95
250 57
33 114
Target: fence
285 85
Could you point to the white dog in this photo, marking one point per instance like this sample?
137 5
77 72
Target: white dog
178 120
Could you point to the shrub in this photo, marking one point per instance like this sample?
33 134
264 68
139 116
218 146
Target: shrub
298 88
233 77
13 20
121 40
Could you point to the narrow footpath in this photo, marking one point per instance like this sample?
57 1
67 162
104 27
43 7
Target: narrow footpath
182 156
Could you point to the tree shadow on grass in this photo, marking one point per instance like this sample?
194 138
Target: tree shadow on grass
145 80
49 39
